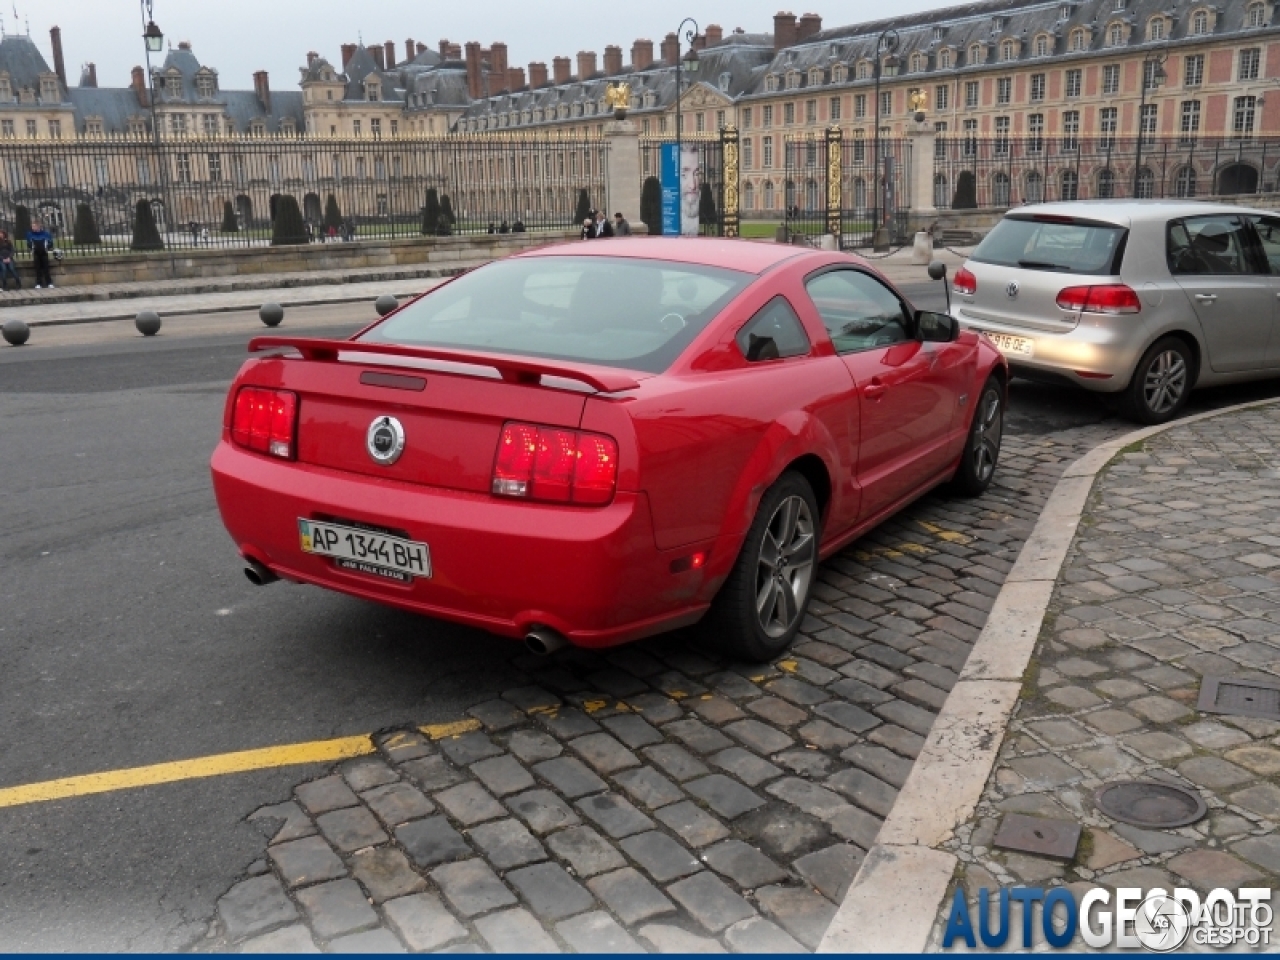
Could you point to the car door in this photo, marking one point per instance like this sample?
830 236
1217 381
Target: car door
1213 259
906 408
1267 230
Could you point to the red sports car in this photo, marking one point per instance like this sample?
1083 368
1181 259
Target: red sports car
592 443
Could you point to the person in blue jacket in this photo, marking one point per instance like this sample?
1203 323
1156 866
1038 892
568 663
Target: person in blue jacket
41 242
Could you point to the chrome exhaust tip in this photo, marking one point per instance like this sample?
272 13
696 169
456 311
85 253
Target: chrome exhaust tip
258 574
544 641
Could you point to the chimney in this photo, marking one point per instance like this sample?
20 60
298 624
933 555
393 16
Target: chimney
498 77
409 52
89 75
515 78
140 87
586 64
475 86
670 49
560 69
455 51
784 30
612 61
59 67
444 48
348 51
715 33
376 52
537 75
389 51
700 42
421 48
642 55
810 25
312 57
263 89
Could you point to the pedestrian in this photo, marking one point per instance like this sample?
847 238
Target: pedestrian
518 226
491 228
195 231
603 227
8 266
588 229
41 243
620 226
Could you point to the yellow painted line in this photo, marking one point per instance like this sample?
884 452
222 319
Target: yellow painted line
438 731
317 751
788 665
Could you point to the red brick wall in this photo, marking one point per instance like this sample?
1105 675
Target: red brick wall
1220 66
1215 115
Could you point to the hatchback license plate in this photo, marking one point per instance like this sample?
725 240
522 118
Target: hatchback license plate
1007 344
365 551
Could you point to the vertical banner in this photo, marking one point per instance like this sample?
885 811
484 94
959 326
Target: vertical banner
690 189
669 174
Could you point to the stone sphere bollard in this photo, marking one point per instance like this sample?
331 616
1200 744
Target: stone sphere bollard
147 322
16 332
271 314
385 304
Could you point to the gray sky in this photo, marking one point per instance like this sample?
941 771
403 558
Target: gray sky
237 37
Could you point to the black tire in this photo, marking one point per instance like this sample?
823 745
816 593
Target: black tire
1161 382
982 445
782 584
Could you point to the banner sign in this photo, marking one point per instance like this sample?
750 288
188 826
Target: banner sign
690 185
669 174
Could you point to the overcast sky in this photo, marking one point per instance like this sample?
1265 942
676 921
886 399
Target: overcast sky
237 37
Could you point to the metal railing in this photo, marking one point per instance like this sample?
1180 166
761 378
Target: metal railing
819 194
710 176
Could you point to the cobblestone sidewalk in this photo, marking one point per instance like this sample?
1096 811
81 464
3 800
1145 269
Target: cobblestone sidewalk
655 797
1174 576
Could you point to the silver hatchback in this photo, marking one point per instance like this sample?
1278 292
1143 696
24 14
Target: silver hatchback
1145 299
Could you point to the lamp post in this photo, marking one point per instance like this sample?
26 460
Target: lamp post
886 65
692 66
153 42
1153 75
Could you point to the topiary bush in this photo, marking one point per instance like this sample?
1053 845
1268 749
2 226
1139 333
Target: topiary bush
145 234
289 227
431 213
651 205
584 208
447 220
229 222
21 223
966 195
86 227
332 215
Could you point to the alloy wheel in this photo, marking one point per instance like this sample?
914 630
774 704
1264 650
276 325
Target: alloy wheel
988 429
1165 382
788 553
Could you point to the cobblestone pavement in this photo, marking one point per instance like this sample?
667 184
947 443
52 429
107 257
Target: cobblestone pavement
1174 576
656 797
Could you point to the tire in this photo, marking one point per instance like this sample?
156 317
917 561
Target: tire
982 446
1161 382
760 607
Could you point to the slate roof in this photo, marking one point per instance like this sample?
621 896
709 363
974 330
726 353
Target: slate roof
24 62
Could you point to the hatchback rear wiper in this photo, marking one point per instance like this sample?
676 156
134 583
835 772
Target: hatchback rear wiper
1042 265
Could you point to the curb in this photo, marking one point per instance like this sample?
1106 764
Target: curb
894 899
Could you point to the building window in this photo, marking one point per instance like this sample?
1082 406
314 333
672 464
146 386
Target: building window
93 128
1115 35
917 63
746 118
1073 83
1004 89
204 85
1146 184
1042 46
1035 133
1000 189
55 129
215 168
1147 123
886 102
864 70
1155 29
258 129
969 142
1249 60
768 194
811 111
355 127
767 153
1002 137
788 114
833 108
1008 50
700 122
770 84
1106 183
768 116
815 77
976 54
1256 17
944 59
1199 23
1034 188
178 124
940 140
748 153
793 81
970 94
942 97
1037 87
210 124
184 168
1070 129
1184 184
31 130
1193 70
395 128
1111 78
6 129
1078 42
1070 185
1243 115
860 106
1107 120
173 86
749 197
144 170
1149 75
1189 121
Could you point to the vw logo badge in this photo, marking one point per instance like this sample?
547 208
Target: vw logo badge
385 440
1012 289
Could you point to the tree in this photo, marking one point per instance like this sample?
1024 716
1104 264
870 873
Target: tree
706 206
229 222
447 219
651 205
289 227
21 223
332 215
145 234
584 208
86 227
431 213
966 195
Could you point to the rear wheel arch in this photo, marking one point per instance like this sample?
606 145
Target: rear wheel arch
814 469
1193 345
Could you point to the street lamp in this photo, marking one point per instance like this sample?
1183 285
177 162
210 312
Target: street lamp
691 64
153 42
886 65
1153 75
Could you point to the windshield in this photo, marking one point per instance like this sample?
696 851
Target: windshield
1086 248
616 312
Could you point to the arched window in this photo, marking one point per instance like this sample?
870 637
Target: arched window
975 54
864 70
1184 183
1256 17
1035 187
941 195
1199 23
815 77
1077 41
749 197
811 195
1042 46
1146 184
1000 189
1155 29
768 195
944 59
917 63
1007 49
1106 184
1115 35
1070 185
789 193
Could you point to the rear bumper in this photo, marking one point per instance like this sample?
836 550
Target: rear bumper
594 575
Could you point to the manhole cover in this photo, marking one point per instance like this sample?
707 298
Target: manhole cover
1048 838
1240 698
1145 803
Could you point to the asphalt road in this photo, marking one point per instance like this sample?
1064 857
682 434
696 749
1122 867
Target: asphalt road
129 635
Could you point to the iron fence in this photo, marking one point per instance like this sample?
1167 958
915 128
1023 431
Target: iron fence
1000 172
226 192
830 188
711 179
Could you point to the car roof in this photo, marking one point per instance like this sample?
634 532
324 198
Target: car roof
1125 212
743 255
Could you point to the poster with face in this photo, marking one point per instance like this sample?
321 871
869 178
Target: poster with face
690 186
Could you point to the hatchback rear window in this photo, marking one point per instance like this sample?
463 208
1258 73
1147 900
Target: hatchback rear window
616 312
1056 246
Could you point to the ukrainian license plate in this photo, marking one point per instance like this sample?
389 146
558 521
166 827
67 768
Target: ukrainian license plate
1017 345
366 551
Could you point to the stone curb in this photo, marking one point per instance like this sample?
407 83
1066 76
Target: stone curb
895 897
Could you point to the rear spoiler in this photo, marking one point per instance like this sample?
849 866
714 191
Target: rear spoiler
513 370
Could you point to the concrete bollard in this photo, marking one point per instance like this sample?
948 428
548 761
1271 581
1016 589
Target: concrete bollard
829 242
922 249
15 332
271 314
147 322
385 304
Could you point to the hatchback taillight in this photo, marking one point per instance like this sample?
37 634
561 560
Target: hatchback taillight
264 420
554 464
964 282
1112 298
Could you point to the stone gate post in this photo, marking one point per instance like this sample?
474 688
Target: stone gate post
622 170
922 138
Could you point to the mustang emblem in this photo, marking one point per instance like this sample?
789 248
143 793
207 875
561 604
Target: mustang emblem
385 440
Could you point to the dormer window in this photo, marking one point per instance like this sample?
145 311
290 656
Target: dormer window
793 80
1042 45
999 23
725 79
771 83
650 100
917 63
49 90
258 128
1078 41
1256 15
288 127
1155 29
1008 50
1115 35
937 34
1117 4
173 85
815 77
1199 23
205 86
976 54
373 90
864 70
93 126
944 59
1064 12
839 73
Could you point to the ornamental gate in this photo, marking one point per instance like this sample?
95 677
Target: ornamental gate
717 177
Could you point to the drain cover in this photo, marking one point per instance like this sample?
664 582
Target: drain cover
1145 803
1240 698
1048 838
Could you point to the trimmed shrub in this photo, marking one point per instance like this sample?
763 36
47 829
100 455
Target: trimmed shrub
145 234
289 227
447 220
706 206
332 215
431 213
966 195
86 228
651 205
229 222
584 208
21 223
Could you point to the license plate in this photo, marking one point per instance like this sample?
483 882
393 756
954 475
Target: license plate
366 551
1007 344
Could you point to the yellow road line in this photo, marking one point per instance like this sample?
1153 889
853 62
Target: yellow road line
438 731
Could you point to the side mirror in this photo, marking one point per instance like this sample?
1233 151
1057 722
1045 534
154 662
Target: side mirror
936 327
937 270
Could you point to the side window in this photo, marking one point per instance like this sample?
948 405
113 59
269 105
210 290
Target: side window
1268 231
1208 246
860 312
774 332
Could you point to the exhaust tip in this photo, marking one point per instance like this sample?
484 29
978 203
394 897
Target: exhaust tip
258 574
544 641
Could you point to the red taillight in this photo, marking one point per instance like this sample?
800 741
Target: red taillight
1110 298
263 420
553 464
964 282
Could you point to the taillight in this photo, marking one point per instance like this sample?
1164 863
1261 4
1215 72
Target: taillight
964 282
1112 298
554 464
263 420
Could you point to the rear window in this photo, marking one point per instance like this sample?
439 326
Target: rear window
628 313
1089 248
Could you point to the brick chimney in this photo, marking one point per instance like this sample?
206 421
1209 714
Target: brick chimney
642 55
475 85
389 51
670 49
263 89
714 34
455 51
810 25
409 52
612 61
498 77
89 75
421 48
537 75
376 52
59 66
784 30
515 78
140 89
586 64
312 57
348 51
444 48
560 69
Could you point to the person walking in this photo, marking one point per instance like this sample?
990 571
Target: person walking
620 226
8 266
41 242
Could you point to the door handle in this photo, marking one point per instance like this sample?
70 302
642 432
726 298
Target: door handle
1209 297
874 390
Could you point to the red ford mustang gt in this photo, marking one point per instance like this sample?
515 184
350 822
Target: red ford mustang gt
593 443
